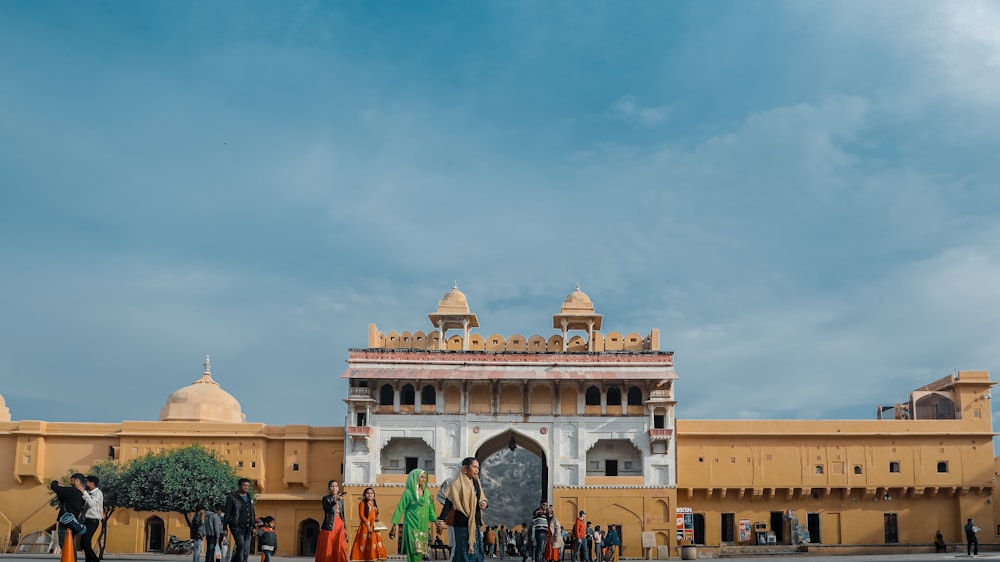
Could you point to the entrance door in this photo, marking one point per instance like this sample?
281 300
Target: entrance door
699 528
728 528
611 467
778 526
411 464
812 523
154 534
308 534
891 528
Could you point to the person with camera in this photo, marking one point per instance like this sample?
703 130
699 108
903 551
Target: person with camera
71 509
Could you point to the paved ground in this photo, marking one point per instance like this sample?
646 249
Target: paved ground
949 557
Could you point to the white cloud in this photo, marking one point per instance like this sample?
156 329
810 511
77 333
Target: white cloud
628 109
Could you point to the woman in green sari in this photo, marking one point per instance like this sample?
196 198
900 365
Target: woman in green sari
416 512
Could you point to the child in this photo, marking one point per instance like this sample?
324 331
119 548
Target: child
268 538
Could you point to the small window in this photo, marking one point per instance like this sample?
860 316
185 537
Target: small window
239 464
701 459
894 466
295 467
857 469
407 396
27 459
592 396
614 396
942 466
819 469
628 465
253 464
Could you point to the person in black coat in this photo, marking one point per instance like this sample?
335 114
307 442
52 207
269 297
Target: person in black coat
70 501
240 517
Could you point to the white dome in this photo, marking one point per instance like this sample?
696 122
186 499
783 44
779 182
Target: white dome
204 401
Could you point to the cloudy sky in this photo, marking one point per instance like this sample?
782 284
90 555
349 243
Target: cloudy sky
802 197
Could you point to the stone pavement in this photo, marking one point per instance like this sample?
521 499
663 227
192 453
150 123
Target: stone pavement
950 557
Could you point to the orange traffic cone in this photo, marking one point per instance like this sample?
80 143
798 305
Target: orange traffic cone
68 549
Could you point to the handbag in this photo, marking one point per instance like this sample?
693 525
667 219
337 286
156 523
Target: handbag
379 527
74 524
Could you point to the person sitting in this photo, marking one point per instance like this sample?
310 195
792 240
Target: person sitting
939 544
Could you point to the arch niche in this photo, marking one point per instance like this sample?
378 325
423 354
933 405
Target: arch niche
519 440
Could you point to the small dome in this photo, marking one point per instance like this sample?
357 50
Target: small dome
204 401
577 303
4 410
453 302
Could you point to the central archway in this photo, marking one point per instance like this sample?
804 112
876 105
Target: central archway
515 474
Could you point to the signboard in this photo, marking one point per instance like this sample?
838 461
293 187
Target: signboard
685 524
745 530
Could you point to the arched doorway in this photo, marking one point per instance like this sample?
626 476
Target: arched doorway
308 535
154 534
515 474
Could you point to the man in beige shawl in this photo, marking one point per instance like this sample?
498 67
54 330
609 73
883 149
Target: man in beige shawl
463 508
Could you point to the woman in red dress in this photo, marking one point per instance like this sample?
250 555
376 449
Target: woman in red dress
332 543
368 544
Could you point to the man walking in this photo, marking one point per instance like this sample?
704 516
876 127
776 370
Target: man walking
213 530
972 543
240 517
580 538
540 531
93 499
70 500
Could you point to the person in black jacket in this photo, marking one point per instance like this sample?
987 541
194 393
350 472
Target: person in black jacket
70 501
240 518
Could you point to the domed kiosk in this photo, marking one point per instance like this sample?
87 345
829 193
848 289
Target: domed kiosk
203 401
453 312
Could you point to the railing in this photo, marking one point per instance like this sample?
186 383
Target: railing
660 434
359 431
359 392
659 395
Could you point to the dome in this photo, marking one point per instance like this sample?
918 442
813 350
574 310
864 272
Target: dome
453 302
4 410
577 303
203 401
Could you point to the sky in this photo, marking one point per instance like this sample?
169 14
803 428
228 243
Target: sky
801 196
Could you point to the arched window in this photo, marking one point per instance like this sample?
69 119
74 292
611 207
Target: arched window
593 396
614 396
428 395
407 396
386 395
634 396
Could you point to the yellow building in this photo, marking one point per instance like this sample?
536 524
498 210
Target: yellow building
847 482
290 466
596 407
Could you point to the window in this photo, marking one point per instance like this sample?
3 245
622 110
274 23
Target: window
634 396
593 396
428 396
385 395
295 467
614 396
253 464
659 421
857 469
819 469
239 464
407 396
942 466
894 466
610 467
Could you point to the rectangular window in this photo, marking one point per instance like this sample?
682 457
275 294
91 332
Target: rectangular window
239 464
27 459
819 469
253 464
295 467
942 466
894 466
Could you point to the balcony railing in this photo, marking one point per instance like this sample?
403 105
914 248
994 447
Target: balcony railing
660 434
359 431
359 392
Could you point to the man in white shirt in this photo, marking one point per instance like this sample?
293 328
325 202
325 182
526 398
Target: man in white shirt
93 500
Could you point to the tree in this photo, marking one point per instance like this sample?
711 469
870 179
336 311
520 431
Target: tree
109 474
180 480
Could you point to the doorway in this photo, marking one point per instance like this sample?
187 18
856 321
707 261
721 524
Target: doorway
699 528
308 535
154 534
778 526
812 524
891 528
728 528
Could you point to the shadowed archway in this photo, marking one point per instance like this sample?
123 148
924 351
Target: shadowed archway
515 474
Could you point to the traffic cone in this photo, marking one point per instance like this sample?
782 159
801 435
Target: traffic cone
68 549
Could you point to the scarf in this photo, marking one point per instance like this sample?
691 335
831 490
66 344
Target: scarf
413 488
462 494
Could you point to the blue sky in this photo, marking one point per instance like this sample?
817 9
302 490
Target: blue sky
802 197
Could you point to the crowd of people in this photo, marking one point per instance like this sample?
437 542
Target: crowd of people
415 521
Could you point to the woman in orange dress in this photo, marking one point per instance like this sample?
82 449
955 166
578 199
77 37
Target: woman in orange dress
555 547
368 544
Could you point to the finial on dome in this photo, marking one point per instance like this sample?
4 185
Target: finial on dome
454 285
577 287
206 375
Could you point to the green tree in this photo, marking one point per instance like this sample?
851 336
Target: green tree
180 480
109 473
